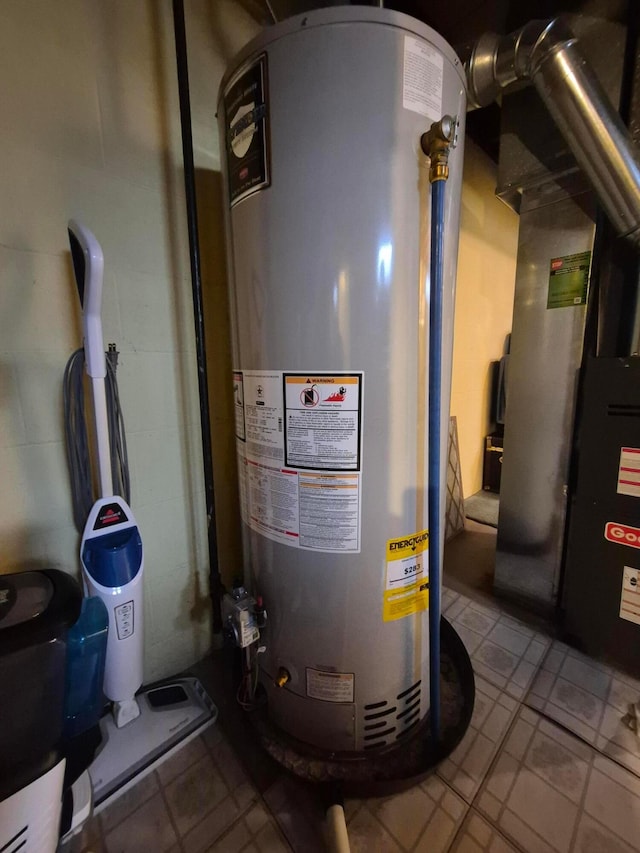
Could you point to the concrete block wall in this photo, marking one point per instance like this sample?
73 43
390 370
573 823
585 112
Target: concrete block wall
89 128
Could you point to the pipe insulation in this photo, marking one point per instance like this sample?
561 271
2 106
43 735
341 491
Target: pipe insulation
337 835
547 54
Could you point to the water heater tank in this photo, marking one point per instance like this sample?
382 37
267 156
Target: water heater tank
328 223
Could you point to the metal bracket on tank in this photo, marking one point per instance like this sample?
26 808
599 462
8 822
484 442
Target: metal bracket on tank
436 143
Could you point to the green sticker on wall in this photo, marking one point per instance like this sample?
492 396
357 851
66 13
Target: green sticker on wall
569 280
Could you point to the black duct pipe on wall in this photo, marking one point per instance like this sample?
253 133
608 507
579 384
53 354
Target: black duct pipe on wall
215 583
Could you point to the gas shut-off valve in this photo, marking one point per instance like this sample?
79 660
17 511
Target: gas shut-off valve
243 617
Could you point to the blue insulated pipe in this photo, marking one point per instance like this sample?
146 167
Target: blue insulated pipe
435 442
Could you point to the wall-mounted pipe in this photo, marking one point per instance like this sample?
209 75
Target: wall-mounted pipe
547 54
215 581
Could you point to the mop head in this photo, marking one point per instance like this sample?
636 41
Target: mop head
171 714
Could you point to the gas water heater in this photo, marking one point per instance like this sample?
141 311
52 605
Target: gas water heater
328 223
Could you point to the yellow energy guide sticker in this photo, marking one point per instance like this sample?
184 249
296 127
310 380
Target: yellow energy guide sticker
407 584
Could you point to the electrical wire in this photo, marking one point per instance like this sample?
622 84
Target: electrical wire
247 689
83 491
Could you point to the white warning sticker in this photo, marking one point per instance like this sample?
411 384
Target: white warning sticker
629 472
630 597
273 501
330 686
422 79
329 511
322 425
299 439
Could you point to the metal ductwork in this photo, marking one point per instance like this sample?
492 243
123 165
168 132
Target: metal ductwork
546 53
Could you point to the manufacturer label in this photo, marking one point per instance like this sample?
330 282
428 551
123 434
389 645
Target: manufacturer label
330 686
621 534
246 112
629 472
407 580
109 515
124 619
568 280
422 79
630 597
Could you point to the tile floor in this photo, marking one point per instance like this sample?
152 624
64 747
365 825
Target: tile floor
547 766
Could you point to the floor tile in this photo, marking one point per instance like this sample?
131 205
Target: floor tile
232 771
549 791
448 598
467 766
88 840
479 836
254 831
187 755
216 822
128 802
194 793
503 650
298 813
590 699
424 818
367 834
148 828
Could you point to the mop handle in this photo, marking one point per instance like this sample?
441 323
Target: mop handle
88 264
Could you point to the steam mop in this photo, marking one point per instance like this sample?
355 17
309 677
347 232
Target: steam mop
143 727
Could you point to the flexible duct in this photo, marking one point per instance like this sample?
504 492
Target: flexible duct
547 54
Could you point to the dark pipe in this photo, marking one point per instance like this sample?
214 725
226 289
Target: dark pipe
215 585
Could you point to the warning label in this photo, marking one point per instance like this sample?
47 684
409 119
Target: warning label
329 511
322 420
273 501
311 499
630 598
330 686
422 79
629 472
407 582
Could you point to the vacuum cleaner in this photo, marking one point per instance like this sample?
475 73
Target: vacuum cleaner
144 727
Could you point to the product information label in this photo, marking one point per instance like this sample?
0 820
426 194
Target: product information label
629 472
630 597
238 404
312 498
263 415
246 112
330 686
407 576
422 79
322 420
569 280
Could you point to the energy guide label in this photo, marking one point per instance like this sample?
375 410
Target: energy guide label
407 576
299 439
